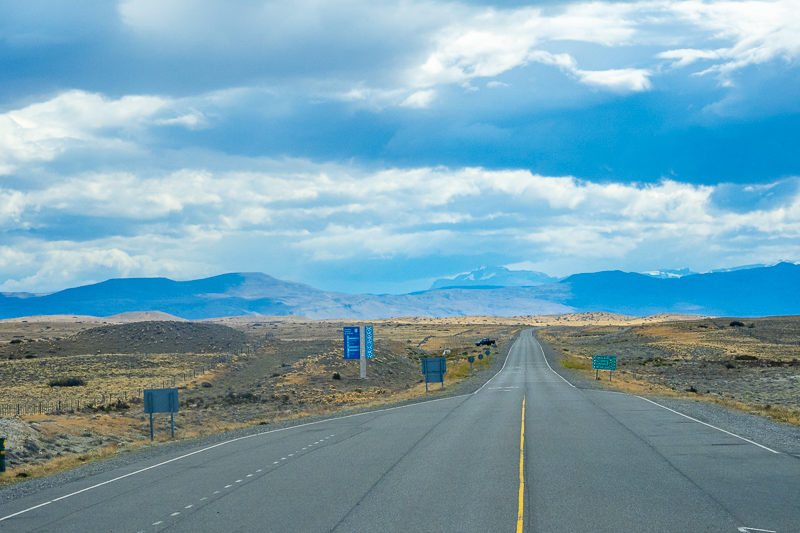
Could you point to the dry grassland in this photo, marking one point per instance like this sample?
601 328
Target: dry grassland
754 367
289 367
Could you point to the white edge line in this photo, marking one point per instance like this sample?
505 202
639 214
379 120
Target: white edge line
663 407
258 435
222 444
508 356
548 364
706 424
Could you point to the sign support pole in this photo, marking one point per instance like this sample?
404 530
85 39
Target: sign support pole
172 423
363 351
151 427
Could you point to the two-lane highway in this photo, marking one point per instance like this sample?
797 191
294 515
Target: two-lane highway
591 462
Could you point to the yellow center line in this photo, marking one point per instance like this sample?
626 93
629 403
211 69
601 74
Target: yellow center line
521 469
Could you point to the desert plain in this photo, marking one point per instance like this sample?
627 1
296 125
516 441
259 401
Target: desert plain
71 386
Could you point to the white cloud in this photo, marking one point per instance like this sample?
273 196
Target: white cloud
43 131
759 31
186 221
420 99
619 80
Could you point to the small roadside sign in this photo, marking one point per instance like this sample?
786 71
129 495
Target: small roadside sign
471 360
161 401
480 356
604 362
434 368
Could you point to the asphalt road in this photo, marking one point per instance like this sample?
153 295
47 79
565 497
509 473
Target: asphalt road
587 461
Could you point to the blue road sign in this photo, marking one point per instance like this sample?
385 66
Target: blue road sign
480 356
471 359
368 344
352 343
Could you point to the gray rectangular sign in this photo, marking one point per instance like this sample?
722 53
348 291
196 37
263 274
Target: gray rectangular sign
161 401
434 369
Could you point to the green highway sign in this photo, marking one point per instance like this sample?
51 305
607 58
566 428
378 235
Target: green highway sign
604 362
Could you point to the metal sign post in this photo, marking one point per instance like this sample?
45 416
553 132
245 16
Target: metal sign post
2 454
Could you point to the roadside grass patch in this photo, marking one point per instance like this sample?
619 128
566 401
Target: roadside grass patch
567 361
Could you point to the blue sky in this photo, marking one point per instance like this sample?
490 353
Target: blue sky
366 146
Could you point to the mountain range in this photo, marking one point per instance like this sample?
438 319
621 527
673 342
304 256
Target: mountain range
760 291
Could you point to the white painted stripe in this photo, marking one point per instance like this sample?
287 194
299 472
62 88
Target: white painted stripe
548 364
709 425
175 513
223 443
508 356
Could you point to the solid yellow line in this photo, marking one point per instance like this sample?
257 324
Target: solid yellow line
521 469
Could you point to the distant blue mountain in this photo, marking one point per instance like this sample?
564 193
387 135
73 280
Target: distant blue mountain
749 292
759 291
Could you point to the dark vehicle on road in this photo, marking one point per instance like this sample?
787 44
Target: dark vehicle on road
485 342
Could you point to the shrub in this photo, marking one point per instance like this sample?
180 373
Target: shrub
67 382
336 375
737 324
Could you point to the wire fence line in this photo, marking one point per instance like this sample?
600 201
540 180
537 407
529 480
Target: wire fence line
109 399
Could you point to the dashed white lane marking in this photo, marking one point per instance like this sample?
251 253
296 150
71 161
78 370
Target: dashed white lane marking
238 481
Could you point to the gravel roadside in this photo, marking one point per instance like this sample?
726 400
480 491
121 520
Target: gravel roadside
780 437
159 451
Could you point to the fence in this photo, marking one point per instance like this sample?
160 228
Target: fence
49 407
